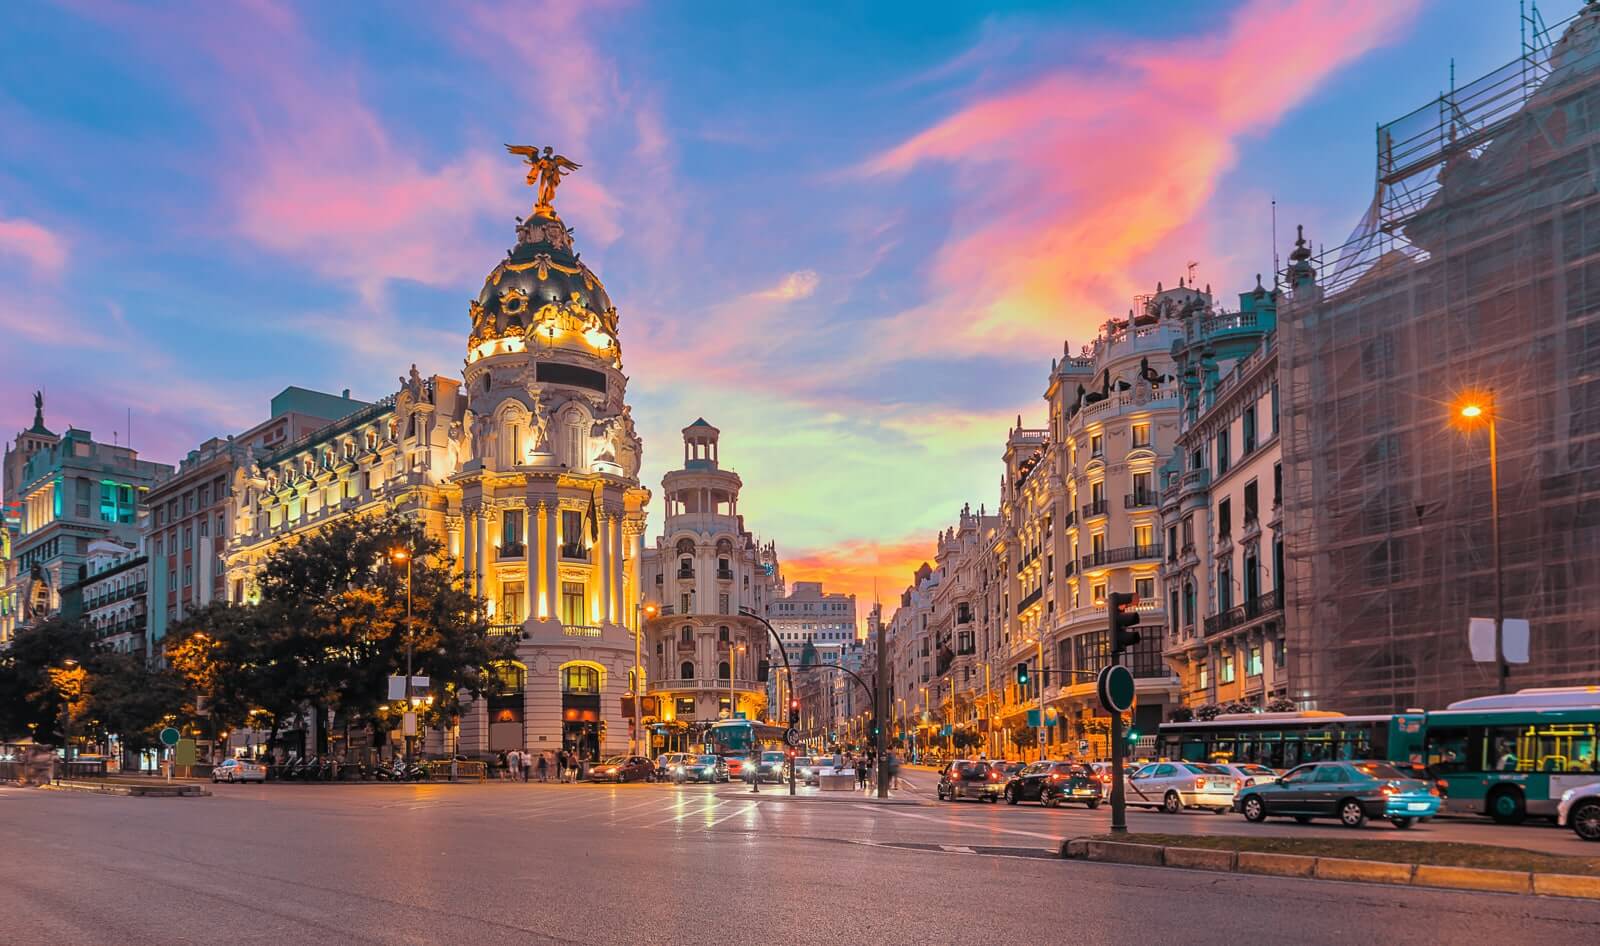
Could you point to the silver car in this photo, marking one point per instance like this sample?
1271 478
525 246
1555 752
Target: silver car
1246 774
1174 786
238 770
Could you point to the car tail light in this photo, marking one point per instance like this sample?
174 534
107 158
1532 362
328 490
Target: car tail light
1433 790
1249 782
1200 782
1389 789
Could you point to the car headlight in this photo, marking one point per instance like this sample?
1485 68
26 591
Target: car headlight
677 770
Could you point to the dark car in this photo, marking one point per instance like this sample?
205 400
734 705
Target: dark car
969 778
772 767
701 768
630 768
1054 783
1007 770
1349 791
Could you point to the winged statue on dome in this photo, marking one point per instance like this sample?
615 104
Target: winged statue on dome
545 172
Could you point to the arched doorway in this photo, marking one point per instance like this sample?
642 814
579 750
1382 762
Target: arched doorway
504 699
582 682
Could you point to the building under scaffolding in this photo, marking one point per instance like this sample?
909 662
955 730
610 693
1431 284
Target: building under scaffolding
1475 271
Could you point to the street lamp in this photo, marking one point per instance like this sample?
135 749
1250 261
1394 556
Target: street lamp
648 610
398 555
1473 410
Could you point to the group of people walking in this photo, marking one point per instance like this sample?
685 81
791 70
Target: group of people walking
520 765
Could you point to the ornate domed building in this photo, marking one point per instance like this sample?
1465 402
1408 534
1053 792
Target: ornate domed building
527 468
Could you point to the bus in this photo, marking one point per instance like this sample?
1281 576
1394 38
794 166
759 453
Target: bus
737 738
1506 756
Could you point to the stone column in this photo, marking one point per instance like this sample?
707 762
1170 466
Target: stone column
483 554
530 556
551 551
603 568
620 605
469 561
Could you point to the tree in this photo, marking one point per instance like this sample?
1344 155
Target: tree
42 672
1281 704
132 699
1024 737
963 738
1207 711
1237 706
1181 714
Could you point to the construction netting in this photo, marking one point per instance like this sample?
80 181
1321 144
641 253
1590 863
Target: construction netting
1475 275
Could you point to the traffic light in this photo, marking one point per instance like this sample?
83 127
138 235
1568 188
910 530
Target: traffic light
794 712
763 671
1022 674
1119 609
1132 735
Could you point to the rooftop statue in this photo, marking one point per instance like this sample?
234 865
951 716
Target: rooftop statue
545 172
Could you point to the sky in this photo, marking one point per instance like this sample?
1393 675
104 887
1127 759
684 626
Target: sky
850 235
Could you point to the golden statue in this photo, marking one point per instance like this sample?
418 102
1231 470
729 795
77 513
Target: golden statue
545 172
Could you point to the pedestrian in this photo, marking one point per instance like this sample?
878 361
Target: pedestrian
500 764
861 773
514 765
544 766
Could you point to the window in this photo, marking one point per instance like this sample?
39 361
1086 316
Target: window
511 533
1097 593
188 575
1251 502
1188 531
1097 445
1172 543
188 538
511 595
572 544
1144 535
1252 666
686 703
580 681
1227 669
1252 576
1144 493
1223 459
1188 604
722 670
572 600
1249 438
1225 519
684 606
1224 588
1280 650
1204 674
1274 407
722 633
686 635
723 604
1145 588
1141 435
205 527
1277 484
1097 493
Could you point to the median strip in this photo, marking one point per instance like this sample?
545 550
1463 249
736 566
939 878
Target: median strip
1407 864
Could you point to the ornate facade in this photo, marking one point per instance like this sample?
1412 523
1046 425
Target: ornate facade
526 468
706 577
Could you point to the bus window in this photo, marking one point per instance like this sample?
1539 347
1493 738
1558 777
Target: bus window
1449 750
1562 747
1503 755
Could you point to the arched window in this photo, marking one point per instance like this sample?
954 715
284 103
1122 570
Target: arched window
722 633
685 547
580 680
722 670
686 670
687 634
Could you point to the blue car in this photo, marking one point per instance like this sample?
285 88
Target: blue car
1349 791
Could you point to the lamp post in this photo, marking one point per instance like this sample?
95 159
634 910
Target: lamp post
734 650
404 555
648 612
1472 411
788 671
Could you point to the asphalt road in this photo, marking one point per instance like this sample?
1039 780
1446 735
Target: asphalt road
491 864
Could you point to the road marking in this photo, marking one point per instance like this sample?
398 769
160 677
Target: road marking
752 808
956 849
949 823
693 811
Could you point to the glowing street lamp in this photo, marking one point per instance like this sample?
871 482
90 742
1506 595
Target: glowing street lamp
399 555
1473 410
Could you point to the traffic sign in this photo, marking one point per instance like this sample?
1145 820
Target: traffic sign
1115 687
1083 746
169 736
791 737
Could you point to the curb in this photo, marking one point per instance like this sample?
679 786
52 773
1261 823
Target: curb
131 791
1335 868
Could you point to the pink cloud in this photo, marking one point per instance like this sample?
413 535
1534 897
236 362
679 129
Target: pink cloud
44 251
862 567
1065 182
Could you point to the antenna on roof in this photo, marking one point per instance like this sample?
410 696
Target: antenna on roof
1276 265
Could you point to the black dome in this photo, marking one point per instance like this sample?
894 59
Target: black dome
541 269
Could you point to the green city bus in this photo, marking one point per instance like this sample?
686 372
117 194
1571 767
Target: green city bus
1505 756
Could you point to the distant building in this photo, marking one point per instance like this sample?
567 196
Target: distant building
707 578
68 491
110 598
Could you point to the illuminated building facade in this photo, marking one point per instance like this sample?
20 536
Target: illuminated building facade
525 468
705 577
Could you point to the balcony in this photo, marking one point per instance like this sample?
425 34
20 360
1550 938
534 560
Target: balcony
724 574
1130 553
574 551
505 630
1257 607
685 647
1032 598
1096 508
512 550
1194 480
685 573
1070 519
580 630
1138 500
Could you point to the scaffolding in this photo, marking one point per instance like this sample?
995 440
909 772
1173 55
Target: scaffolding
1475 269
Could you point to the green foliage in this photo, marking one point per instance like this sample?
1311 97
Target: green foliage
1281 704
965 738
1181 714
1207 711
1025 737
132 699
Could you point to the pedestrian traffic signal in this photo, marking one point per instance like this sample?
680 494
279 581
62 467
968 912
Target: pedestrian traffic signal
1120 611
1022 674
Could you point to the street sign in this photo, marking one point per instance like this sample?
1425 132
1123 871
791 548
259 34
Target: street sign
408 724
1115 687
184 753
1083 746
169 736
1033 719
791 737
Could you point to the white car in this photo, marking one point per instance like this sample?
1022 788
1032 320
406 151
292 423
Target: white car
1174 786
1580 810
1246 774
238 770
